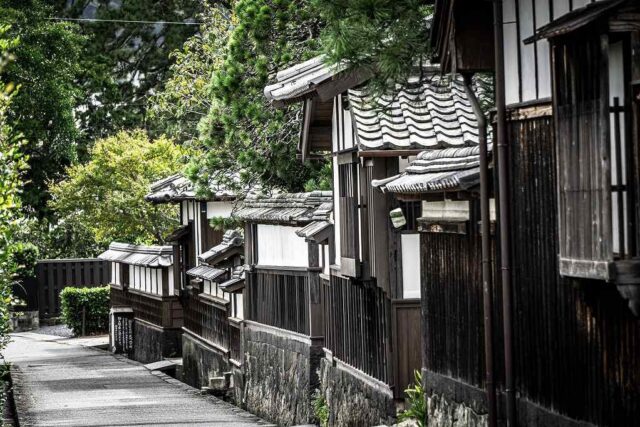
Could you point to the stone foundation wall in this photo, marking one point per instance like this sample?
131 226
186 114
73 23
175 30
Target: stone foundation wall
442 412
200 362
151 344
277 375
354 400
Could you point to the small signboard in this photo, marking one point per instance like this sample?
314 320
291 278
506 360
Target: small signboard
121 330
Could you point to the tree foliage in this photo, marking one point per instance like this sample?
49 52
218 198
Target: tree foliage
12 165
126 63
184 98
389 38
47 65
105 196
242 132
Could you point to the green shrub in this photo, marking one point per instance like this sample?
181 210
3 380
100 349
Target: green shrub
320 408
95 302
416 405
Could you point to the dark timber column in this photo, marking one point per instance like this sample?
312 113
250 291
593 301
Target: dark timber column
316 317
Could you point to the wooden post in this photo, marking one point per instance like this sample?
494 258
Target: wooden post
316 318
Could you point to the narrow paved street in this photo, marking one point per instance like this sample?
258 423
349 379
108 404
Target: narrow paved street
60 383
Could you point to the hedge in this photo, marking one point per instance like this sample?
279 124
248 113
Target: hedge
96 304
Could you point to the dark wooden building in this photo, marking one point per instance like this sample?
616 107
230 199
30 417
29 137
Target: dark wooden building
371 294
142 281
565 328
287 251
208 268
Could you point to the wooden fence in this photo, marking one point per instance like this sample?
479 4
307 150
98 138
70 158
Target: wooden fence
279 298
356 325
52 276
207 319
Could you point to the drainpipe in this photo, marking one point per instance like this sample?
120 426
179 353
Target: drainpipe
487 285
502 156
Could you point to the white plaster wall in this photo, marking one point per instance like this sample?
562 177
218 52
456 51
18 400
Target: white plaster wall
336 211
410 265
521 19
239 314
219 209
280 246
146 279
172 285
617 89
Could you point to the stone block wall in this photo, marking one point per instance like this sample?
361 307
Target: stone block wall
443 412
278 375
152 343
201 362
354 400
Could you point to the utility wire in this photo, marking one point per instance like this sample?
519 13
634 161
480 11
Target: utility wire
123 21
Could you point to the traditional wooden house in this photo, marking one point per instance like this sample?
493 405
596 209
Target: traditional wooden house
287 250
376 268
208 267
195 234
565 338
142 283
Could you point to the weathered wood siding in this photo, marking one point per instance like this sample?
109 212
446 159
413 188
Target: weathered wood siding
453 332
208 318
278 297
406 332
356 321
577 345
164 312
584 179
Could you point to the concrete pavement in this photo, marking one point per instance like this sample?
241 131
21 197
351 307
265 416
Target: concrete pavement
59 382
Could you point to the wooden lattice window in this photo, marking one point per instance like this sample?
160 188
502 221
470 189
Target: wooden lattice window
348 195
595 152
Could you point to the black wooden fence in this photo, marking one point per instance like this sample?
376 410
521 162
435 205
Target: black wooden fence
356 325
52 276
279 298
207 319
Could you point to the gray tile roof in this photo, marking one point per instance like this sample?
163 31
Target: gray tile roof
236 282
232 243
146 256
432 112
450 169
309 232
286 208
311 78
206 272
177 188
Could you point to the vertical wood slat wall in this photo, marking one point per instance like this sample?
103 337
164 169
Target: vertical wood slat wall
207 320
357 329
52 276
576 342
452 324
278 298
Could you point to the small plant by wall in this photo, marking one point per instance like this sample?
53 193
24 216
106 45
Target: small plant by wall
86 310
320 408
416 404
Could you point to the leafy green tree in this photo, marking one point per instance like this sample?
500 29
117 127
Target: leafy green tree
127 57
184 98
47 64
389 38
105 196
12 165
242 132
